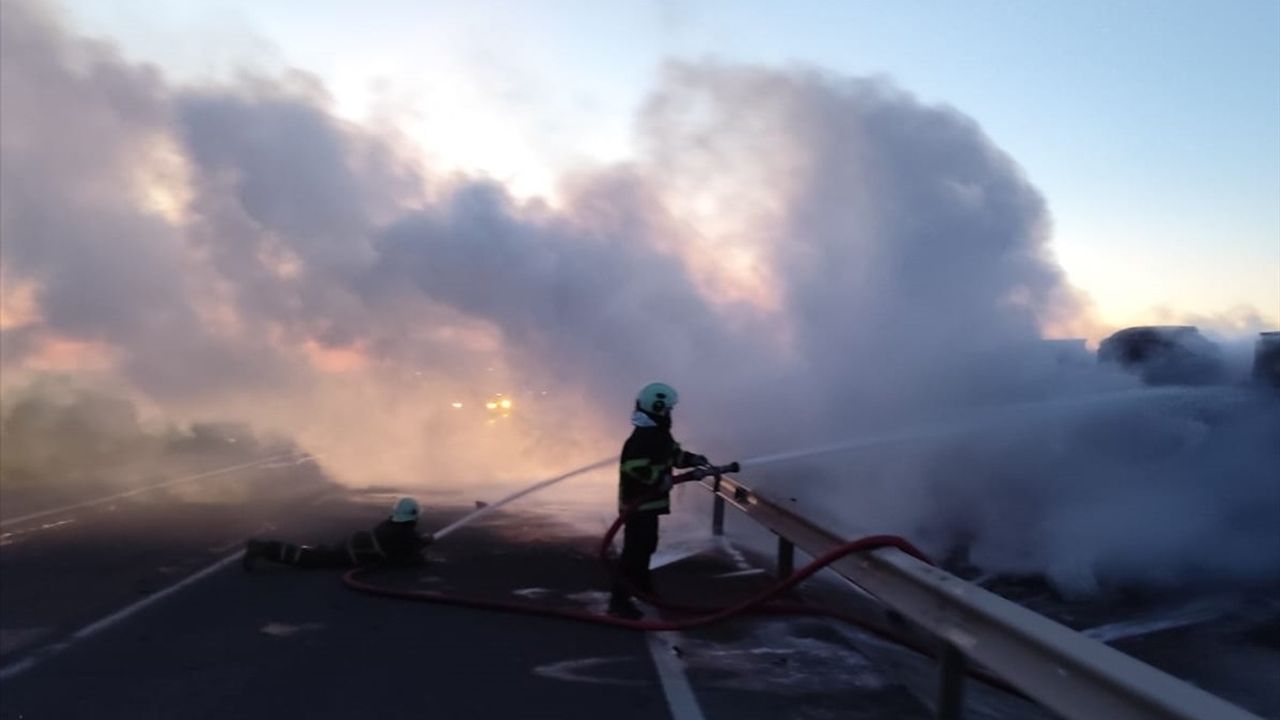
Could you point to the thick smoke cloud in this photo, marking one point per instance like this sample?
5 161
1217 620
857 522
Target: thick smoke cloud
65 443
808 257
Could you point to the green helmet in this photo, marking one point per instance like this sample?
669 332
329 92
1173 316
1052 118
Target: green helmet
657 399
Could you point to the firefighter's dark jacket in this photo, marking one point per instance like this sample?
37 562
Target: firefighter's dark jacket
648 457
397 543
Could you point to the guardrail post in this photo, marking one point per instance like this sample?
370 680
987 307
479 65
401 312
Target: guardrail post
951 683
717 508
786 557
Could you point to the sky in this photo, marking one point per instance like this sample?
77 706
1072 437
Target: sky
1152 128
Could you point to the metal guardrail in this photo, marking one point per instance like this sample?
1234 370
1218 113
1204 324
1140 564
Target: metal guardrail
1063 670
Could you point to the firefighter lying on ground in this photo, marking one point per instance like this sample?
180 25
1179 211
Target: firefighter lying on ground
393 541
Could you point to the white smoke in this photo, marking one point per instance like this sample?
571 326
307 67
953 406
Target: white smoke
807 257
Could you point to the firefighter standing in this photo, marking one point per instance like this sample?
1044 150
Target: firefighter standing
648 458
393 541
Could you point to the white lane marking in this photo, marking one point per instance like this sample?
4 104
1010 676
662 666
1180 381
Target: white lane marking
7 538
681 700
21 666
98 626
17 668
742 573
6 522
675 683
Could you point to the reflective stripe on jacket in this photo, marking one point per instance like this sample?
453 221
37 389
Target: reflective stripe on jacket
648 457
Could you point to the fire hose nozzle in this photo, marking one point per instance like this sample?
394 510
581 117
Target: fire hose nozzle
707 471
718 470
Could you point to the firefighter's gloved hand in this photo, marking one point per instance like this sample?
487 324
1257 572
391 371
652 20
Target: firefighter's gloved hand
696 459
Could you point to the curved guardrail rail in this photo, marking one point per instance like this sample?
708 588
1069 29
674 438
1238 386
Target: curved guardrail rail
1063 670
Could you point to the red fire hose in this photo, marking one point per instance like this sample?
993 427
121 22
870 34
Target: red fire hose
760 603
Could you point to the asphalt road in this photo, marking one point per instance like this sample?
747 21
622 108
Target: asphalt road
140 609
285 643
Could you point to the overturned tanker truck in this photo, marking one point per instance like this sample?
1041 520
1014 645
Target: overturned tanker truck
1181 355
